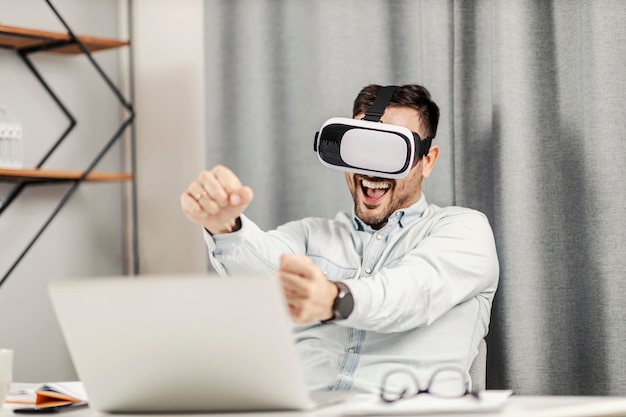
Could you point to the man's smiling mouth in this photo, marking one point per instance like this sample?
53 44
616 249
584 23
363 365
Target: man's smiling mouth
373 191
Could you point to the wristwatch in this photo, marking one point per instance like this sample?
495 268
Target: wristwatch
343 304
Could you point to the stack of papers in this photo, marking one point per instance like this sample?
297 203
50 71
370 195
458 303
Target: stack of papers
487 402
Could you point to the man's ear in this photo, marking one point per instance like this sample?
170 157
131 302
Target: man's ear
429 161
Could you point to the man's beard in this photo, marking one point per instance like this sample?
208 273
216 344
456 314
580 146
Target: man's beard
375 222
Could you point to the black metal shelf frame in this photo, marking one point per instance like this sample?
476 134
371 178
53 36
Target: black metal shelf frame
17 190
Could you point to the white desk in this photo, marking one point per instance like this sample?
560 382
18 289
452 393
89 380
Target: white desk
516 406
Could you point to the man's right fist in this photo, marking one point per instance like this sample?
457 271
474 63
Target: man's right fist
215 200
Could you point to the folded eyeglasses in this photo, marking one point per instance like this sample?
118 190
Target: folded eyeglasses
445 382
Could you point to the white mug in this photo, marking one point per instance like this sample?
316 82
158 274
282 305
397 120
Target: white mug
6 373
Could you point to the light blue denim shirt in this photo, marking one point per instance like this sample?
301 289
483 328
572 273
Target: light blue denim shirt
422 285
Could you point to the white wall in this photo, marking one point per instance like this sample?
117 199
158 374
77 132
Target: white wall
168 55
87 237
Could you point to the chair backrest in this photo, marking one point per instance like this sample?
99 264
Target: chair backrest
478 370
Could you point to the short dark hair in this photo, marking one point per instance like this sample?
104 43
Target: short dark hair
409 95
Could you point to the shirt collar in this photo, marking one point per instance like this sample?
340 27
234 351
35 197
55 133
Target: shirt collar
402 216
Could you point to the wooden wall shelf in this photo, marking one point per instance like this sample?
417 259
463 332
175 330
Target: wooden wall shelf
39 175
26 41
18 39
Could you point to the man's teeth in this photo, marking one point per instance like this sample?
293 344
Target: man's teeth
374 185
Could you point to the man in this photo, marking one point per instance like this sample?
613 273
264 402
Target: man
397 284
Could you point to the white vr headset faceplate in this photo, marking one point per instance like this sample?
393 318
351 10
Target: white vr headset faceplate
371 148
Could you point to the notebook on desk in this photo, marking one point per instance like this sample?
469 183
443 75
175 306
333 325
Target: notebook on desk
182 343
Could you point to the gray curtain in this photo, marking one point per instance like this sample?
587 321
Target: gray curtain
532 95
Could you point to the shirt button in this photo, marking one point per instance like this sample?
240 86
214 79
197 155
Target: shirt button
379 237
325 272
368 271
350 350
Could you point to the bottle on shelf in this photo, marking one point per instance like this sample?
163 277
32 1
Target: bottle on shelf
11 146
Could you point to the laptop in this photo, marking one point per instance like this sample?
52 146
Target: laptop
183 343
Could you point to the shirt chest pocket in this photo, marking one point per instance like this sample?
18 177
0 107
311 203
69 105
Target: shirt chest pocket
333 271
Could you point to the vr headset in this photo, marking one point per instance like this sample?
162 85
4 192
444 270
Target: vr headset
369 147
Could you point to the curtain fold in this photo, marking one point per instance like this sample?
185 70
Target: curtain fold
532 117
553 228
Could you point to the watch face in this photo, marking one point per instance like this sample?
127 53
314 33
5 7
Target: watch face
346 305
345 302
